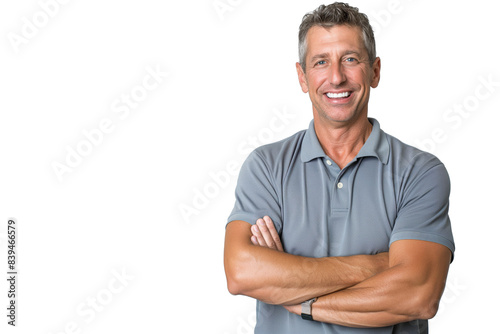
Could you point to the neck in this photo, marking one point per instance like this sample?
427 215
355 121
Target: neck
343 142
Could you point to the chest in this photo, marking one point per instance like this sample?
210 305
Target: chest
338 213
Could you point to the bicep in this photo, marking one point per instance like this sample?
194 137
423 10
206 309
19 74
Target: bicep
236 246
421 252
238 234
424 264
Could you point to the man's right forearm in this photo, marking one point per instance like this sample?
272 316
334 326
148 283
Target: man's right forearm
279 278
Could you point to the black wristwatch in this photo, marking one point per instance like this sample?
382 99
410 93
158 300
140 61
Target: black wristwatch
307 310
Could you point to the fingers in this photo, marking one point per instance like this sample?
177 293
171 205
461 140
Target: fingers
257 238
296 309
265 234
274 234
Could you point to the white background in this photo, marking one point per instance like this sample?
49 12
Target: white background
231 70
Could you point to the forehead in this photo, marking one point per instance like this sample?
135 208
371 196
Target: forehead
336 38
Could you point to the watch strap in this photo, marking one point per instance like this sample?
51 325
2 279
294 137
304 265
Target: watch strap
307 309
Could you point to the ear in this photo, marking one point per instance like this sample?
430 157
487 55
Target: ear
302 78
376 73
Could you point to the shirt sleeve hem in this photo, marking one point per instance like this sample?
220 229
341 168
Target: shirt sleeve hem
251 218
244 217
416 235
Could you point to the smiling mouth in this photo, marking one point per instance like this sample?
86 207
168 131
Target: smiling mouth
338 95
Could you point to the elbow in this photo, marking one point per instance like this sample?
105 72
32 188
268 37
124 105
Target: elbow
420 299
234 286
424 307
429 296
236 275
429 310
241 285
242 279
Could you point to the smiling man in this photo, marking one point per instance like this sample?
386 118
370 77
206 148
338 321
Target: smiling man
340 228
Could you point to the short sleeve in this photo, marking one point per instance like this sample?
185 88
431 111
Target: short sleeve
423 210
256 193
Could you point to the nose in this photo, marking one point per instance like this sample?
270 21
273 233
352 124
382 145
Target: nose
336 76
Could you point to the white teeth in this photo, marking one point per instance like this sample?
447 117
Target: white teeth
337 96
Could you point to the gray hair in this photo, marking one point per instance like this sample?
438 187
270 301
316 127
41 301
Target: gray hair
337 13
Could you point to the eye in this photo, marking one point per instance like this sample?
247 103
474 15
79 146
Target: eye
351 60
321 62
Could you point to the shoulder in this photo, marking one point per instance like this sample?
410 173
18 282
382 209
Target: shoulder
416 169
281 153
409 157
267 166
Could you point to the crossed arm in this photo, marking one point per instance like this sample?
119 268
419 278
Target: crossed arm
355 291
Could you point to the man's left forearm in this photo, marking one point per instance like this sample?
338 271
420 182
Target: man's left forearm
410 289
382 300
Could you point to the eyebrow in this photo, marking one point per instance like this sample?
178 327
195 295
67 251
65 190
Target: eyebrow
320 56
349 52
327 55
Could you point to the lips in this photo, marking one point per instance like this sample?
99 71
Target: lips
338 95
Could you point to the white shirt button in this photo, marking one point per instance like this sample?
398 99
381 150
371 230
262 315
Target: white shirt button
340 185
328 162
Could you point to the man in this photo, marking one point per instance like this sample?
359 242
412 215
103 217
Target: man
340 228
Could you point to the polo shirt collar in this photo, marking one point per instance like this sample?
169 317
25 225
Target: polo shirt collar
375 146
311 148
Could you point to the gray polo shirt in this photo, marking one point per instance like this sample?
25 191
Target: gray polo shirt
389 191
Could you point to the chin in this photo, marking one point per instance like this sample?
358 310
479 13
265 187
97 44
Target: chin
339 117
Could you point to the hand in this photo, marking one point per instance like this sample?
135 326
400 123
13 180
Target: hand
295 309
264 234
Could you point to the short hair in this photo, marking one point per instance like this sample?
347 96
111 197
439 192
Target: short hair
337 13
